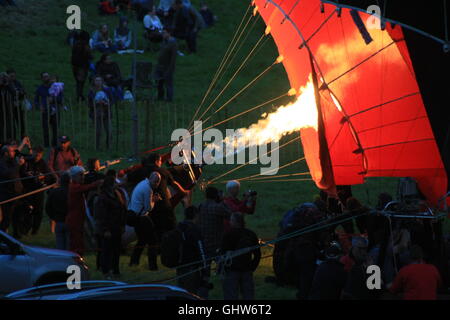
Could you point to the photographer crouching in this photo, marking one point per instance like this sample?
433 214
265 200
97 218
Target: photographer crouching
247 205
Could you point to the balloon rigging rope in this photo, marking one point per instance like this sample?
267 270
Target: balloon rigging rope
241 90
267 176
241 113
230 48
242 165
232 78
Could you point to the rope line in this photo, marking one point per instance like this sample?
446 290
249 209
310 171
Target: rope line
232 78
242 165
222 63
282 167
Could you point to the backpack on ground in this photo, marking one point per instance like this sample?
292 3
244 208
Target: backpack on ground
172 248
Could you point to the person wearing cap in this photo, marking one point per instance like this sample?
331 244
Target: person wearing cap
77 208
330 276
64 157
246 205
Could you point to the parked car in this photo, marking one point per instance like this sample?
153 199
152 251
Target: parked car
55 291
23 266
104 290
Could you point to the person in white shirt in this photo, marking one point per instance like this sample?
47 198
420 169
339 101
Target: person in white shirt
143 199
153 26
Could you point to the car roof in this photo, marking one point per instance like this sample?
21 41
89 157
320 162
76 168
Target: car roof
101 290
158 289
57 289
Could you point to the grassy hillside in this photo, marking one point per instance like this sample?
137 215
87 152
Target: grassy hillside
32 40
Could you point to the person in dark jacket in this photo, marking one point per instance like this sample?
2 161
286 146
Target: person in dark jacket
330 276
207 15
100 110
165 67
37 168
186 24
10 170
122 34
193 250
164 212
239 274
110 220
18 97
7 94
56 208
109 71
81 60
42 101
356 209
356 285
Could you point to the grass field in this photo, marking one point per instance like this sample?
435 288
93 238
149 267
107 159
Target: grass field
32 40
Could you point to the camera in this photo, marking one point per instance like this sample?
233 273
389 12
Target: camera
252 193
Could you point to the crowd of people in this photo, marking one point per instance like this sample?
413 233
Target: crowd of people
140 198
329 262
164 24
325 264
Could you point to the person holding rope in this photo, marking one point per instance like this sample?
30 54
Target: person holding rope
35 167
192 249
164 211
239 274
10 170
212 213
77 208
56 207
110 220
142 203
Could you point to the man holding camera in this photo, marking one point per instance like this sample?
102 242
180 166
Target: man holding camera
246 205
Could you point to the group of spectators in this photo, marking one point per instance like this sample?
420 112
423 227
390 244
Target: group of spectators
331 262
139 198
328 261
171 20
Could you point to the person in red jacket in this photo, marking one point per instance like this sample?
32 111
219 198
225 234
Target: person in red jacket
108 7
246 205
418 280
64 156
77 208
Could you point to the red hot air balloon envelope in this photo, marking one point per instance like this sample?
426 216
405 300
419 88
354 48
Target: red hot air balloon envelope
380 91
